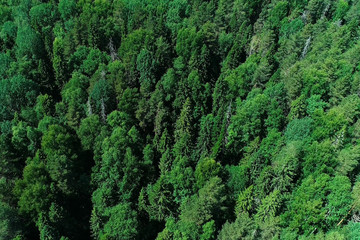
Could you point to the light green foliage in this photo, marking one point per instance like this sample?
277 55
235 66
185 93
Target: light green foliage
270 228
242 228
278 12
240 79
319 158
159 197
245 201
247 123
354 230
118 176
197 211
269 206
290 27
33 190
348 159
306 211
205 170
122 223
286 167
339 199
329 123
355 195
341 9
209 230
61 159
314 103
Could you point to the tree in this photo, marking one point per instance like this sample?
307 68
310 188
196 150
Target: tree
20 138
10 225
348 159
196 212
44 106
238 178
42 15
102 98
277 13
16 93
319 157
34 191
240 229
183 119
60 148
339 199
75 97
206 136
88 131
247 123
306 206
129 50
183 131
269 206
59 62
8 34
245 201
157 199
5 64
177 11
205 170
341 9
122 223
286 167
28 43
209 231
119 175
67 9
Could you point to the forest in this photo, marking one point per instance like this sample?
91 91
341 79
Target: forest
179 119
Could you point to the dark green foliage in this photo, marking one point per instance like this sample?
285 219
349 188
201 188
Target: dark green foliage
67 8
16 93
42 15
28 43
88 131
10 225
181 119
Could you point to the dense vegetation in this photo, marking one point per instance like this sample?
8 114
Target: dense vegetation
181 119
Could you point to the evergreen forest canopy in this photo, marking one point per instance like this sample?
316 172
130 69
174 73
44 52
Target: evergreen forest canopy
179 119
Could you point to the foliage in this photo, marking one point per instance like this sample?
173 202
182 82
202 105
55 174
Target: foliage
181 119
